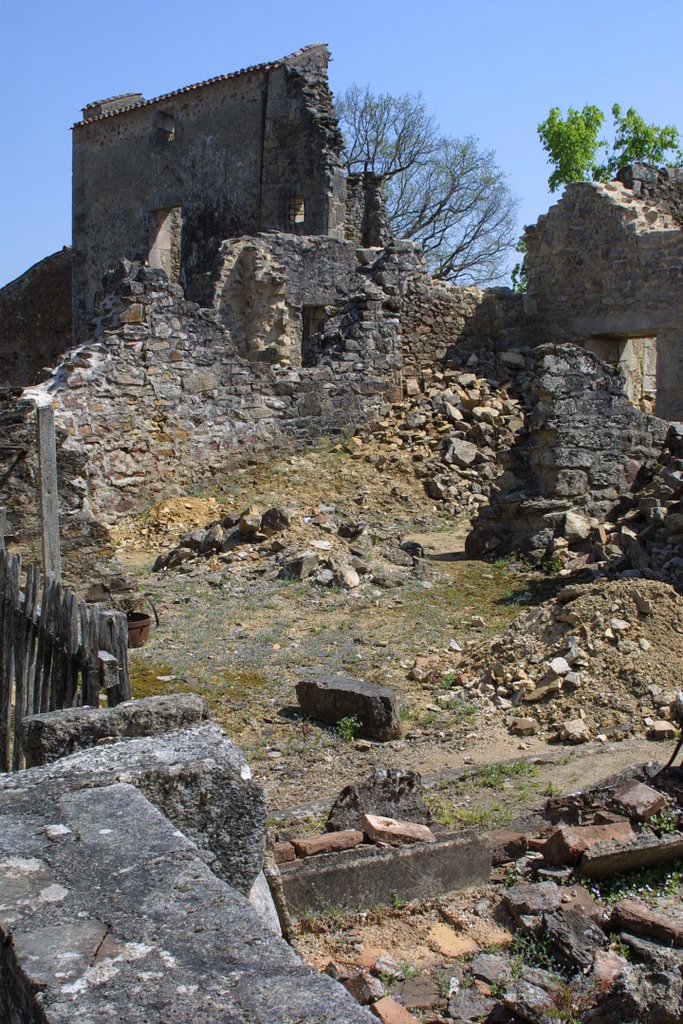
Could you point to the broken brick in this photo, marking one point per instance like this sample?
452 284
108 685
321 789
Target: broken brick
331 842
640 801
388 830
568 843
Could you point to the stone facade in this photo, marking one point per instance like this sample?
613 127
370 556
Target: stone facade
168 179
35 320
160 399
605 270
581 449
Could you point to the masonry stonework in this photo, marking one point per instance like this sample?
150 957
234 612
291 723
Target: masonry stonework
251 151
605 269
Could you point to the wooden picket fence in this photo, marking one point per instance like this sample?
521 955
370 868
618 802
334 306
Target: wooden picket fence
55 653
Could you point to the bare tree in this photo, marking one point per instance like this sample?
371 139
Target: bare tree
445 193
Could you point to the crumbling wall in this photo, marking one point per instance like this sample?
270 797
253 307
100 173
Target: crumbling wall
159 400
607 263
443 324
581 449
35 320
302 147
220 159
366 217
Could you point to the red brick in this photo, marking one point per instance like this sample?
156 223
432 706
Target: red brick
639 800
391 1012
507 845
388 830
568 843
284 852
330 842
636 916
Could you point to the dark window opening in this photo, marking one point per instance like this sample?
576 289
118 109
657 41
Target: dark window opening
164 122
296 212
312 318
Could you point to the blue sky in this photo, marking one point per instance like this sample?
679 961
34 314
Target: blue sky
491 69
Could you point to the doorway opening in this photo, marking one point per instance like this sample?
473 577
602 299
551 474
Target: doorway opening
636 357
164 253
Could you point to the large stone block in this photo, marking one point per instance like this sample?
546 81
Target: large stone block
109 913
373 876
330 698
55 734
196 777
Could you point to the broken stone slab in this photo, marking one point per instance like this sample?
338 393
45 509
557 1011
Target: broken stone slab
615 858
569 842
364 987
300 566
531 899
375 876
635 916
330 698
470 1005
664 957
331 842
640 995
391 792
639 801
528 1002
56 734
394 833
132 925
197 778
573 936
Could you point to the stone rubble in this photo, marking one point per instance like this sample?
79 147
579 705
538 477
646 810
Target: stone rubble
569 952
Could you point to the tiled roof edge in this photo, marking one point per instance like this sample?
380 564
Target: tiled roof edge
267 66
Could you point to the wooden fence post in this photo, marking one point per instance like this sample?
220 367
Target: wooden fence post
49 497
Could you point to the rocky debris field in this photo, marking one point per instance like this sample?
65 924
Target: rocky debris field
581 921
645 535
448 435
316 544
601 660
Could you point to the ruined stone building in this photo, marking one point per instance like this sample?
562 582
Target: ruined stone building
605 268
232 288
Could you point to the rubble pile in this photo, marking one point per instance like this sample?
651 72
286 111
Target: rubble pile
645 534
450 434
575 931
600 661
316 544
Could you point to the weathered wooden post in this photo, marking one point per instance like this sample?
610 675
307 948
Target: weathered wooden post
49 497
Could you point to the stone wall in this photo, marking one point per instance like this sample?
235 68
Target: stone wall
606 263
35 320
366 218
444 324
224 158
581 449
159 400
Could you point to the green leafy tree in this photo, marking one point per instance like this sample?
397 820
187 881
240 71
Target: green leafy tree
443 192
578 154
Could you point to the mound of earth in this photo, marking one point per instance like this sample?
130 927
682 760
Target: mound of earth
165 523
609 654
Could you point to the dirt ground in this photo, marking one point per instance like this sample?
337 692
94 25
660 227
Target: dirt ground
240 638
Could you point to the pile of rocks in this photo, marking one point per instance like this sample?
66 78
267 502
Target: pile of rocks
449 433
599 661
645 535
316 544
562 951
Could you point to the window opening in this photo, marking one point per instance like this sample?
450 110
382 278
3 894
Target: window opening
296 211
164 122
